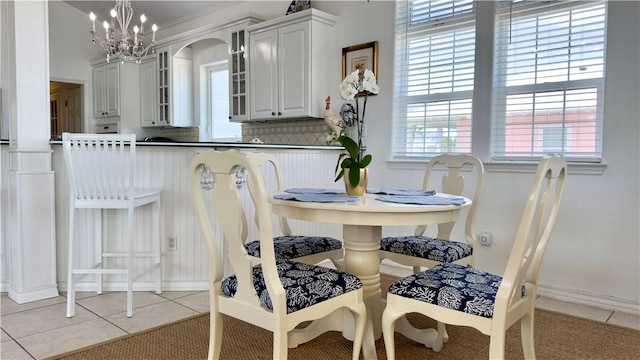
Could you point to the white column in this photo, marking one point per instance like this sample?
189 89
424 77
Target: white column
31 225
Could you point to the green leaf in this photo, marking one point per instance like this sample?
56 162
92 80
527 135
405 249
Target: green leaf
366 161
350 145
339 163
340 175
354 174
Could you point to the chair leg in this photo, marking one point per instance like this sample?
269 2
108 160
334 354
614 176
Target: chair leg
99 236
359 313
71 288
389 318
158 253
130 271
526 330
496 344
280 348
215 332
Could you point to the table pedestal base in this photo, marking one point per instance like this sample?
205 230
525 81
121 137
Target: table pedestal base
339 320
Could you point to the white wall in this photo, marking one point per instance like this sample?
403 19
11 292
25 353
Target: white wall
594 253
70 50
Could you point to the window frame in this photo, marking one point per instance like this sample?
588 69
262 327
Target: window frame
502 91
207 123
402 100
482 109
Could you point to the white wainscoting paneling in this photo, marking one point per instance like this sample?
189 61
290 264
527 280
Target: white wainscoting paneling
168 168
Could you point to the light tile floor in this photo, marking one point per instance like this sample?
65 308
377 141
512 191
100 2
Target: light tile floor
41 329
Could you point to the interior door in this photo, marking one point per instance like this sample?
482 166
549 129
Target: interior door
73 102
54 114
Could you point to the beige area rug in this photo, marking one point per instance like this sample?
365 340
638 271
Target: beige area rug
557 337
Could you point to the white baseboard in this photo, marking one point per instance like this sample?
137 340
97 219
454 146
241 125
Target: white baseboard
595 300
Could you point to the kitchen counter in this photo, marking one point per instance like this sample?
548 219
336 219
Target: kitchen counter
229 145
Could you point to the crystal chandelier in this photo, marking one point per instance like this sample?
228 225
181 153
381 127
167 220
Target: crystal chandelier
119 42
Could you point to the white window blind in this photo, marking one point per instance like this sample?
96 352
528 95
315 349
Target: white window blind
548 80
434 74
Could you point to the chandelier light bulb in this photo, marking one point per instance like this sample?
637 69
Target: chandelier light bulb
154 28
106 29
92 16
135 36
114 13
143 18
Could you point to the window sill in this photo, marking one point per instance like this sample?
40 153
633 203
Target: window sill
577 168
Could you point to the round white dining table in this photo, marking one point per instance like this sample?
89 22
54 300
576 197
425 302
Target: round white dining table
362 230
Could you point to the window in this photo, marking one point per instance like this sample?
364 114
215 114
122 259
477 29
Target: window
536 69
548 80
216 105
435 52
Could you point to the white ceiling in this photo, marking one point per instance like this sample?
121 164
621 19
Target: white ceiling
163 12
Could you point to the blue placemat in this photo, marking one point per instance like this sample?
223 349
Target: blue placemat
422 200
402 192
319 198
314 191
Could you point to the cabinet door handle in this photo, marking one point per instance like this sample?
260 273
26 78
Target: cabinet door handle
273 113
279 113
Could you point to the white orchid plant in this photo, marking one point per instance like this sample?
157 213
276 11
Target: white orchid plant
357 84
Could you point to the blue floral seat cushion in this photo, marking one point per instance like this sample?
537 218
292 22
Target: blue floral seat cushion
304 284
295 246
452 286
427 248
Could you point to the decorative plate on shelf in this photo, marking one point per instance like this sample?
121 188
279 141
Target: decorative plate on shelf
298 5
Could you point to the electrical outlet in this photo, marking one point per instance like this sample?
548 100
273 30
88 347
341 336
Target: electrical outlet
172 244
485 238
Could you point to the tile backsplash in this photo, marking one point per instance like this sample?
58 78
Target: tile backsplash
293 132
182 134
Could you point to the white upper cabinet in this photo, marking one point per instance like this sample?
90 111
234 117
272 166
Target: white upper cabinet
290 61
174 88
106 90
148 89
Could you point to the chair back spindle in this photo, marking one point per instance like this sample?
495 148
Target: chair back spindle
100 167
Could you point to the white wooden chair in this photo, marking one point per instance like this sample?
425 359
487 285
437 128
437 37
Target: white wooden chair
460 295
301 248
274 295
101 169
418 250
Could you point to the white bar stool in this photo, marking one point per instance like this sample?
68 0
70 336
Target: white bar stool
101 171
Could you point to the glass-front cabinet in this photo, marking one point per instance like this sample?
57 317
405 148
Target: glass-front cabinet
163 87
238 77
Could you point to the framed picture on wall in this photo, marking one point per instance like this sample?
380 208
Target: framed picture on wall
360 57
